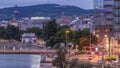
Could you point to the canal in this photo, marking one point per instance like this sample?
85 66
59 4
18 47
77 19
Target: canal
19 61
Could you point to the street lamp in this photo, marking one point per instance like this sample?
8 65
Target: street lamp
97 38
102 56
66 37
67 32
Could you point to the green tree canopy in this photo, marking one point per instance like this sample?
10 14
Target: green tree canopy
2 32
35 30
49 30
13 32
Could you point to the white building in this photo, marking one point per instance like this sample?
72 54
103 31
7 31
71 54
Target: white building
76 23
29 38
4 23
73 23
86 23
14 22
33 22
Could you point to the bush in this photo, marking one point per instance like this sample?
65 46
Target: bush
84 65
73 63
77 64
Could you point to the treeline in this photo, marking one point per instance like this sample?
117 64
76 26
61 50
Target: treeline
52 33
55 34
10 33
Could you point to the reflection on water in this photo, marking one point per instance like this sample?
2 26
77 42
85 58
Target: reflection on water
19 61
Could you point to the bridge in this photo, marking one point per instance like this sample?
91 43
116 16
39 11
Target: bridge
27 51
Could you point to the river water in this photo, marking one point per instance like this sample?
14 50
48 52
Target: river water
19 61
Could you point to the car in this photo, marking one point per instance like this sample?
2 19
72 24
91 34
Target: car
90 57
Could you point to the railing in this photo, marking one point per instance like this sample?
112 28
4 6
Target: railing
27 51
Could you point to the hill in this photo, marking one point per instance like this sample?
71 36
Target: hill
51 10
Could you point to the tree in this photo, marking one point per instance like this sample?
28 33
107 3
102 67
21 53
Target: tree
76 37
49 30
60 60
2 32
13 32
84 41
75 63
83 38
60 35
35 30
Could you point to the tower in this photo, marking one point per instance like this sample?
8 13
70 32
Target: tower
15 12
98 4
14 21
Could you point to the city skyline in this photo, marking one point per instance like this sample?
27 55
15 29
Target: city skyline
85 4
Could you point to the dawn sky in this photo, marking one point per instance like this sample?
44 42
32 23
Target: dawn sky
85 4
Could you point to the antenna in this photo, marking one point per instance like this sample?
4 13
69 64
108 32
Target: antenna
15 11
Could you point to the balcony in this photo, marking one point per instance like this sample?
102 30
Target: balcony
103 26
108 2
109 16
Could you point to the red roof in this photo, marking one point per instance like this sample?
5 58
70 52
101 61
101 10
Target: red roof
64 22
13 21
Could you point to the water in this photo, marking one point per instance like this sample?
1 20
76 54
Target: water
19 61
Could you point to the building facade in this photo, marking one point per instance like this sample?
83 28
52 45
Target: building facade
103 18
116 24
98 4
103 21
33 22
29 38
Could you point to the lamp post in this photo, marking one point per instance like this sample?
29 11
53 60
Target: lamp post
90 44
102 56
66 38
97 38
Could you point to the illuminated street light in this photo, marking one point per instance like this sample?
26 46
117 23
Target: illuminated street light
96 49
66 38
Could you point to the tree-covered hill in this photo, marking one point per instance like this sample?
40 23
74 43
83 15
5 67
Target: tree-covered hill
51 10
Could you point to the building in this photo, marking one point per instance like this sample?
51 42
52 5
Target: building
81 23
74 23
116 24
103 23
98 4
103 18
86 23
108 7
4 23
14 22
116 14
29 38
26 23
64 22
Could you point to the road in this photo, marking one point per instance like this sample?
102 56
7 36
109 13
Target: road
84 57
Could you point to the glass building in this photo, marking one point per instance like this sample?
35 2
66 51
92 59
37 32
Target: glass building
98 4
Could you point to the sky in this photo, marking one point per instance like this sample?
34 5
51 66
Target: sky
85 4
